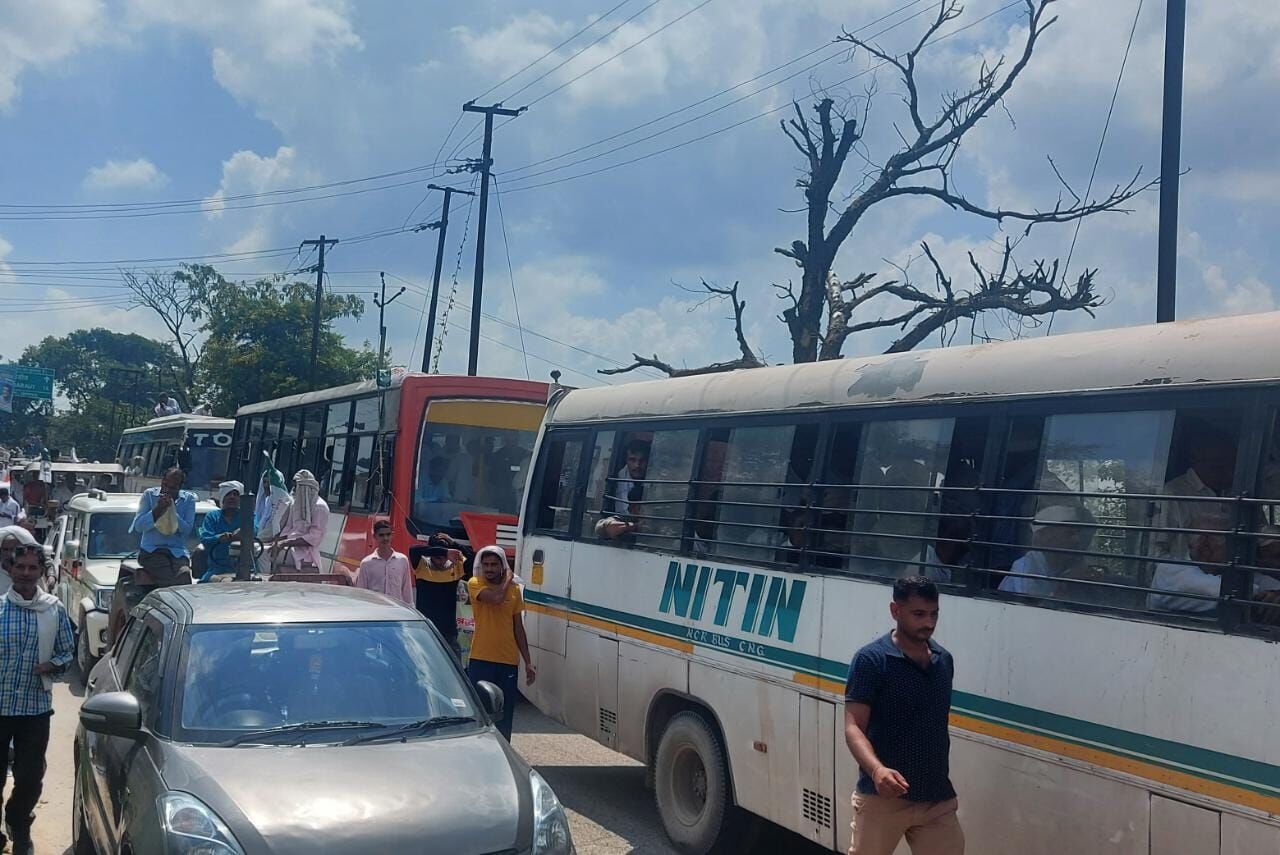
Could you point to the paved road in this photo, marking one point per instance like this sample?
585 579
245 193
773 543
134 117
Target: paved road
610 811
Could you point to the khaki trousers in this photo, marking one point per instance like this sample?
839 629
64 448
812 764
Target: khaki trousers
879 824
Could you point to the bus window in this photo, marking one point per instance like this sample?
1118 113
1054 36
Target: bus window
650 487
366 417
362 466
1077 524
752 493
287 457
598 482
312 439
1264 519
901 464
339 421
554 507
334 466
472 468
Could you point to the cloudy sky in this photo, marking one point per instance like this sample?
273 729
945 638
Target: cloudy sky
108 107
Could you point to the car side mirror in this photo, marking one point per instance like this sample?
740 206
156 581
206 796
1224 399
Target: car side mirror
70 549
113 714
490 697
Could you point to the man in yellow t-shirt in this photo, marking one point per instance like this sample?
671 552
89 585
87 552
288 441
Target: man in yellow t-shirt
499 642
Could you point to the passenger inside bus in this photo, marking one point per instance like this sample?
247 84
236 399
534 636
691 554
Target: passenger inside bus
1209 453
1057 532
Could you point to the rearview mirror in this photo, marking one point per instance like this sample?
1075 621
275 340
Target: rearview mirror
490 697
70 549
113 714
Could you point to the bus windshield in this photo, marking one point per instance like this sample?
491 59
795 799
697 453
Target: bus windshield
206 468
466 468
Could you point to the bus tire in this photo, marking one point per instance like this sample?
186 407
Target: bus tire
691 785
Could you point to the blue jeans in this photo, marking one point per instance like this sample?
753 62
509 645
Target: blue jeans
506 678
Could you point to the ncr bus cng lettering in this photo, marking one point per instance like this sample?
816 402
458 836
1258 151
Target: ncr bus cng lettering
772 602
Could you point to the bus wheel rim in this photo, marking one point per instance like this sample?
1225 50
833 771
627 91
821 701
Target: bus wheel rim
689 786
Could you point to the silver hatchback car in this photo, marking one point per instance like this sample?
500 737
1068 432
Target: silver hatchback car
235 719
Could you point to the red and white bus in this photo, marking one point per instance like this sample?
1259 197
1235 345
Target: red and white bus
419 453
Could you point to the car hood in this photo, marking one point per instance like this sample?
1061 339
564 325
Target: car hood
104 572
452 794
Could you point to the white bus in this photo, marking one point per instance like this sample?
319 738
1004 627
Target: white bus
201 445
1103 702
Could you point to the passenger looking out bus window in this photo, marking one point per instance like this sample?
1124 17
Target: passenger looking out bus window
1056 533
1211 457
627 484
655 502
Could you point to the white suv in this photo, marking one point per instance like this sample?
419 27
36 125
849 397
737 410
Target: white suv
91 538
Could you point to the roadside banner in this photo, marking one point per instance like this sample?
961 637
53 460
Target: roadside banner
6 389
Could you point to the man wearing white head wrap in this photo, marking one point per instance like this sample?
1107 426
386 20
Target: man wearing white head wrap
11 536
221 528
499 643
307 522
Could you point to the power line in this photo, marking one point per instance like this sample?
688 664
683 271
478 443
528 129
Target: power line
514 75
511 273
610 59
711 112
840 51
1102 141
741 122
497 320
470 134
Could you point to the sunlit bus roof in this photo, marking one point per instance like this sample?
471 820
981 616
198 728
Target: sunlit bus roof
1219 351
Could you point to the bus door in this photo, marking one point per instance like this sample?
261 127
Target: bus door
547 553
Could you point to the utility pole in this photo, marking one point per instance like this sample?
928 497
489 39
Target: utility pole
323 243
382 326
442 225
1175 26
486 162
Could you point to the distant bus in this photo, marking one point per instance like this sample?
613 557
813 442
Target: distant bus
418 453
201 445
703 555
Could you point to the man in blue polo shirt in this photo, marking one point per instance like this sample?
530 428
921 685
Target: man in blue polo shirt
897 702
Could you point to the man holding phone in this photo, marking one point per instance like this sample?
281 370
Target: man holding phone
166 517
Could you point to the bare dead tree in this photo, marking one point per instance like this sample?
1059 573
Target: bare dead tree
921 167
1025 293
179 306
748 359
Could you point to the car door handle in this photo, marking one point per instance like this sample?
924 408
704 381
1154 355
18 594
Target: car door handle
93 681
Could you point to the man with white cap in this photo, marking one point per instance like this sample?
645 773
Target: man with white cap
1056 527
307 522
220 529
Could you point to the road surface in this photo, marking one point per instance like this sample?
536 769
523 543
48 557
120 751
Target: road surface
610 811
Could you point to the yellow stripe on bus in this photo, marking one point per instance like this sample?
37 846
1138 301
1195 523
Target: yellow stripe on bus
609 626
502 415
1097 757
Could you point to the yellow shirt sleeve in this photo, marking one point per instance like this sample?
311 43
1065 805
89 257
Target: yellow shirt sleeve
473 587
516 601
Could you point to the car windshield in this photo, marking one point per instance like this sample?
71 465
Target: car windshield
109 535
255 677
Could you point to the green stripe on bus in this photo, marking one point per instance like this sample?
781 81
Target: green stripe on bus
1225 768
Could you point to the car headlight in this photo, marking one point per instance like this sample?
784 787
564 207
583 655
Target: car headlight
191 828
102 599
550 825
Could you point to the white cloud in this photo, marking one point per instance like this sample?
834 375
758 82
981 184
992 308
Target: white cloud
139 174
40 35
1244 296
248 172
257 49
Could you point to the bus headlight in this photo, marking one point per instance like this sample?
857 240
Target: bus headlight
191 828
550 825
102 599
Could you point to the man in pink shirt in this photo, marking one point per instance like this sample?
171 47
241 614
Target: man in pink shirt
386 571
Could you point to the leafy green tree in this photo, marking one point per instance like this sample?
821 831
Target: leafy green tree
109 381
258 342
